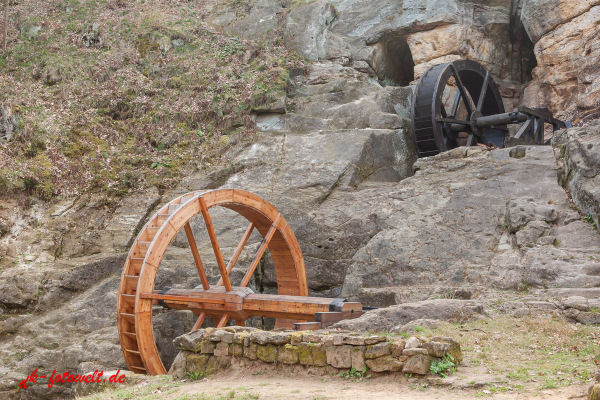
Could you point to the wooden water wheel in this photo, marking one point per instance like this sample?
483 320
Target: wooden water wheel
222 301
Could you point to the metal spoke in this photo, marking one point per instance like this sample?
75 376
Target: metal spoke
466 98
484 88
470 139
453 121
456 104
260 252
196 254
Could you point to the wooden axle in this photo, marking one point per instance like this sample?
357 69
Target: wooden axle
241 303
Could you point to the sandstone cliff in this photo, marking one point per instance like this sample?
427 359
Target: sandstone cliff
333 154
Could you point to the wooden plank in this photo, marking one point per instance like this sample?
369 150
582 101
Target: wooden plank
196 255
179 298
129 299
162 218
132 281
215 244
334 316
261 251
238 251
130 335
151 232
272 307
128 317
307 326
136 264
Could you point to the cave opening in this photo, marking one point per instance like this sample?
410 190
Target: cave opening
523 57
394 62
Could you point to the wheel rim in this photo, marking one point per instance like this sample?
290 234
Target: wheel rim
143 261
432 136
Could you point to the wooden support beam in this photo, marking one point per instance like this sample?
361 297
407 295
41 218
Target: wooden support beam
238 251
196 254
261 251
223 321
307 326
199 321
326 317
215 244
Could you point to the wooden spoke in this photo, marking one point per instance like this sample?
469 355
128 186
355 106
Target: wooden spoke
215 244
238 251
466 98
261 251
199 321
223 321
239 322
483 92
196 254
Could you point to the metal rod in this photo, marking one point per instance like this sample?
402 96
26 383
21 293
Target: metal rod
501 119
483 91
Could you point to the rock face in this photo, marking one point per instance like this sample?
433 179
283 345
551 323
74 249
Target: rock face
517 40
579 158
565 33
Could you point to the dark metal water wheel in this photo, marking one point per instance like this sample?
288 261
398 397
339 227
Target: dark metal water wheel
437 127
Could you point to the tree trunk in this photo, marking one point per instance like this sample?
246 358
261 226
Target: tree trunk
5 23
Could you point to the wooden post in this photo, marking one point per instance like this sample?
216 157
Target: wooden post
5 24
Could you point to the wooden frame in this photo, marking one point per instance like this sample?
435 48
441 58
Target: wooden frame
222 301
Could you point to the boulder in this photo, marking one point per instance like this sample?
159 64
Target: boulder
387 318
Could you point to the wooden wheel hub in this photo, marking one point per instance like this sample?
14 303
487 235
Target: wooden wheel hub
221 301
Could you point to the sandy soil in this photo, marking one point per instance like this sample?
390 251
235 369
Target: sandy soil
273 385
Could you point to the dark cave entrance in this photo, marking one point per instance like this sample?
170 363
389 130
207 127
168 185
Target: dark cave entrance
393 62
523 59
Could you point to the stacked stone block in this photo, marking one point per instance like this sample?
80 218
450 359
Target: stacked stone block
207 350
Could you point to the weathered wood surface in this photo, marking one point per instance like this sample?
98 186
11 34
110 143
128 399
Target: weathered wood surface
136 290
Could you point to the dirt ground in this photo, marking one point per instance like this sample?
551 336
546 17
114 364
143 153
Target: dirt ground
251 385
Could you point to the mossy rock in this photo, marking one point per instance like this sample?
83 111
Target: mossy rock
267 353
319 355
196 362
305 354
288 354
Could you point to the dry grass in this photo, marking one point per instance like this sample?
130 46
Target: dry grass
541 352
160 94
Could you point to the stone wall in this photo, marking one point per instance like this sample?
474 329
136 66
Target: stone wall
206 350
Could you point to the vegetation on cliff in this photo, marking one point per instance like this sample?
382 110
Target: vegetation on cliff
116 95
